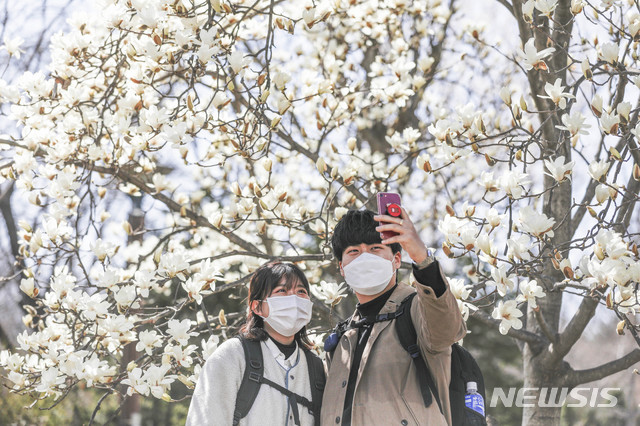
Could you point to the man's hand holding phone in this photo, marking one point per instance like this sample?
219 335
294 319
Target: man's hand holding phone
396 227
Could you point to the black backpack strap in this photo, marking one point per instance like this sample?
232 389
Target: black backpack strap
253 372
317 380
342 327
293 398
409 341
253 377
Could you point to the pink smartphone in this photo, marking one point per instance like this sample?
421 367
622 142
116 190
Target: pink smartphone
388 204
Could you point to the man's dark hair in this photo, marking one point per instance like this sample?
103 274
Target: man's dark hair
357 227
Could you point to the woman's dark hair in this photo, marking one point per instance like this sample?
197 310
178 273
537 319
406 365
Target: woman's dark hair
357 227
264 280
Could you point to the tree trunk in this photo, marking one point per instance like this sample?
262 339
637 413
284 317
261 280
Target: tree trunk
538 376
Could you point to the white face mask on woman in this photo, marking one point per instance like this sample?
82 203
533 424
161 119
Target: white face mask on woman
368 274
288 314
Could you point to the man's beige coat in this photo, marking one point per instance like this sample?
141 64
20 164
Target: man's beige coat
387 390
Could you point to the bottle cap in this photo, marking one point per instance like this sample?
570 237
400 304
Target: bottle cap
472 387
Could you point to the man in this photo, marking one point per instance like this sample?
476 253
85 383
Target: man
372 380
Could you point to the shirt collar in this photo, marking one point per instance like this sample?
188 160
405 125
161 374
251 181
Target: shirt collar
279 356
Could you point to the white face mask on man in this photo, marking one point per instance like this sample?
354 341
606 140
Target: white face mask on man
288 314
368 274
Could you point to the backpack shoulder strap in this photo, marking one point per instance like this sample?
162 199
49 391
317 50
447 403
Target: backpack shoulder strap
457 388
409 341
253 372
317 380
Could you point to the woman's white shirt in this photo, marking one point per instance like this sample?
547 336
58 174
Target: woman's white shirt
214 398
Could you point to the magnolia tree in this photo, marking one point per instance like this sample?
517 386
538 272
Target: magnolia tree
174 145
19 56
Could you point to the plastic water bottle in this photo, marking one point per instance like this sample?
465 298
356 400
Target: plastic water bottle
473 399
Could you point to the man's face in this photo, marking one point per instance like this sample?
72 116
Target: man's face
379 249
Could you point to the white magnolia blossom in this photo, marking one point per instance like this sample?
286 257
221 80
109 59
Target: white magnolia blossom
508 314
513 183
527 10
577 6
494 218
546 7
502 280
179 330
558 169
103 249
609 52
147 340
623 109
209 346
173 263
461 292
12 46
27 285
518 248
529 291
534 223
609 122
636 131
194 286
598 169
532 58
182 356
126 297
626 298
154 380
329 292
555 92
574 123
610 244
604 192
453 229
633 17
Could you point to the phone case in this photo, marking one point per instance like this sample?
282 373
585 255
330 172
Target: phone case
386 200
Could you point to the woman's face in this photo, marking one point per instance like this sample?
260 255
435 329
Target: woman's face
298 289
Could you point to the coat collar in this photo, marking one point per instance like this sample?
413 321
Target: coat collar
396 298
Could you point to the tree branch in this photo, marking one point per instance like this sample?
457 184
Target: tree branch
577 377
588 196
544 326
535 341
575 328
314 157
173 206
508 5
12 230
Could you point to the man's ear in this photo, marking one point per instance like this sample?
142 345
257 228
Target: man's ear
341 269
397 260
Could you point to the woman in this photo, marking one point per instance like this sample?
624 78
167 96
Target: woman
277 387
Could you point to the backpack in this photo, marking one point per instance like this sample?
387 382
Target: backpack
464 367
253 378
